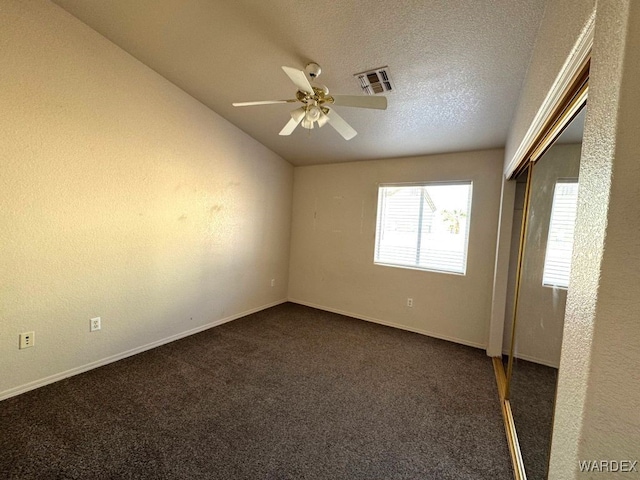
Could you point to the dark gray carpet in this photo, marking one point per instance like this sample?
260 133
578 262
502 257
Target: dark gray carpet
287 393
533 392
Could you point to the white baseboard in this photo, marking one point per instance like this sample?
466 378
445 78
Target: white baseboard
12 392
390 324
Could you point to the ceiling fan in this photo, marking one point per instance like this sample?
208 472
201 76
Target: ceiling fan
315 103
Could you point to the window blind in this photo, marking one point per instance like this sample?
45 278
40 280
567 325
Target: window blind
424 226
557 262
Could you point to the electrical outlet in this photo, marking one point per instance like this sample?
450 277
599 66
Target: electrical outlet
27 339
95 324
409 302
273 282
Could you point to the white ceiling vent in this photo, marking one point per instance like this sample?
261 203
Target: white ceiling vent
375 82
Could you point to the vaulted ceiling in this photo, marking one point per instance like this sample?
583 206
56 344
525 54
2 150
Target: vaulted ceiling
457 65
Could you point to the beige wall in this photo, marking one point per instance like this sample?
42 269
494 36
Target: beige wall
562 23
332 246
596 415
121 197
599 384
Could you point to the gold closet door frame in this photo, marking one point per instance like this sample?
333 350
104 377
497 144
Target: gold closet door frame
571 103
569 106
566 111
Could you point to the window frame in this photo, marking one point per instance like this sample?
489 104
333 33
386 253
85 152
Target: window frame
380 186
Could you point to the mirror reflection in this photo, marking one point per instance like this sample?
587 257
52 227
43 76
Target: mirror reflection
535 331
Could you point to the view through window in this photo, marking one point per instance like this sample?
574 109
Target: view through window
424 226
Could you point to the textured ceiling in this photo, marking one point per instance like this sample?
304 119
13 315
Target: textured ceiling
457 65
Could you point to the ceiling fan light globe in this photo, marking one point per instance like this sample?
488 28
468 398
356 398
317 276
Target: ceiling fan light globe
313 113
322 121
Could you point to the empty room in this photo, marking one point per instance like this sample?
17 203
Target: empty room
319 240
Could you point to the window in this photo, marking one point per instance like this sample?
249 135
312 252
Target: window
424 226
557 261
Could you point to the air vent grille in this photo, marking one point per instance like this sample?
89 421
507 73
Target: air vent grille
375 82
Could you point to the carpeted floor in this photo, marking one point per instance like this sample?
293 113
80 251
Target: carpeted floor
533 392
287 393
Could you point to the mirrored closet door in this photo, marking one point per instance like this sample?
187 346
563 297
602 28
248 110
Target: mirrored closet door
548 202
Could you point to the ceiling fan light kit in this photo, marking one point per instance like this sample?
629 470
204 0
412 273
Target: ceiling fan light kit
316 101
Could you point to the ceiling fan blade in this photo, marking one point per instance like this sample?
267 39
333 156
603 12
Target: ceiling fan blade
360 101
342 127
298 114
290 127
296 117
263 102
299 78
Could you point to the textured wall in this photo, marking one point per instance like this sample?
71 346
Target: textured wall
562 22
606 313
121 197
598 400
333 236
599 385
